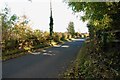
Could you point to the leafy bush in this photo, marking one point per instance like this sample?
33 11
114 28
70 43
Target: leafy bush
56 37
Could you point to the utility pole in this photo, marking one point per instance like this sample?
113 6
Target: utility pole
51 23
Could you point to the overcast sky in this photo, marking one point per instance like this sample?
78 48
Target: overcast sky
38 11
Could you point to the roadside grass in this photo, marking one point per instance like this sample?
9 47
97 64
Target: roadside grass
91 65
14 53
72 71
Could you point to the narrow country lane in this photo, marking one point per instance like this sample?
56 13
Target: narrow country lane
47 64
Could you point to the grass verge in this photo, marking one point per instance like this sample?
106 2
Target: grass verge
90 65
14 53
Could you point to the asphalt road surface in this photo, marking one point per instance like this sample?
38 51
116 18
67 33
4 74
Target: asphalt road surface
47 64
